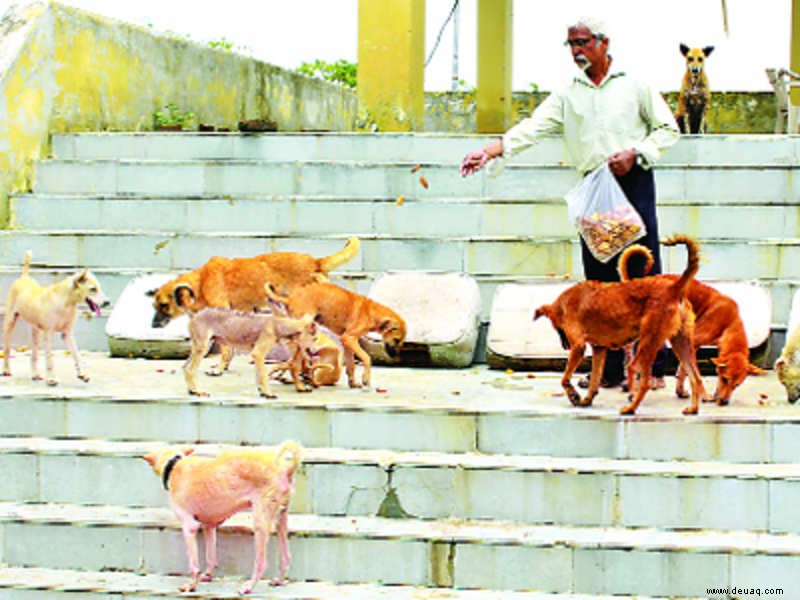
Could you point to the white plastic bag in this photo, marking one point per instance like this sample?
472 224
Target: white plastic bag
604 217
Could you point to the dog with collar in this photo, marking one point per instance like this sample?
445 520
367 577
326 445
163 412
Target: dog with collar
205 492
695 94
49 309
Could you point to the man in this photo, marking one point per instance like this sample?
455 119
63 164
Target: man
603 115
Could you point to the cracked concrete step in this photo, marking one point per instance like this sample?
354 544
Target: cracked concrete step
409 409
389 147
335 481
304 215
27 583
451 553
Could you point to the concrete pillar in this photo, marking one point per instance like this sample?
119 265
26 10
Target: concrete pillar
794 66
391 64
495 18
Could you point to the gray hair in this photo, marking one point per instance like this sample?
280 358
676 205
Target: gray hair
597 27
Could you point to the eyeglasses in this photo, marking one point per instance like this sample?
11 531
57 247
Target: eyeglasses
579 42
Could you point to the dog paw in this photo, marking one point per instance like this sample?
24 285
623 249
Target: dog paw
214 372
245 589
627 410
52 382
573 396
277 581
197 393
206 577
271 395
36 378
189 587
690 410
84 378
682 393
722 401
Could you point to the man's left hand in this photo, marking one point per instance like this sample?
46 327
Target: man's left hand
622 162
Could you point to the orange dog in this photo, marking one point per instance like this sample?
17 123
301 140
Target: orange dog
239 283
612 315
204 492
716 323
695 94
350 316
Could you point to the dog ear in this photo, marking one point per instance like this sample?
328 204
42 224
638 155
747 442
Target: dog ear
183 295
80 278
151 293
707 50
684 49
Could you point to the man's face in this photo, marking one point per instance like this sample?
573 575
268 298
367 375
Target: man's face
586 48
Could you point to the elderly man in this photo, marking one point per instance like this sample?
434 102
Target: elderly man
604 115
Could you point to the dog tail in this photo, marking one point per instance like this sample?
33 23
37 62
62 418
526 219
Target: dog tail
692 262
26 263
622 266
337 259
289 456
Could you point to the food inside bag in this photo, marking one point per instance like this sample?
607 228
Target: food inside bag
604 217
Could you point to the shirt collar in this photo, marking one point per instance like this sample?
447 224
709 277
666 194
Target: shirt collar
613 73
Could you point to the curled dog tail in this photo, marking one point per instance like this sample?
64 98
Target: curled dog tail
288 457
692 261
26 263
337 259
622 266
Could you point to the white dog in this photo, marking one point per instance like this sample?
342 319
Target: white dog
49 309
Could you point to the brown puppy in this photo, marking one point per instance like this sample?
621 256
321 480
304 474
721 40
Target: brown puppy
239 283
321 364
695 95
350 316
49 309
716 323
204 492
612 315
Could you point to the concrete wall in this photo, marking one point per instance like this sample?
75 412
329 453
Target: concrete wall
67 70
729 112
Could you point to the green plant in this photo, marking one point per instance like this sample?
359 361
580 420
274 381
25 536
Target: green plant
171 116
221 44
341 71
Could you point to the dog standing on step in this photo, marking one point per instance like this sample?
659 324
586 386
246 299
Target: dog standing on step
695 95
204 492
49 309
612 315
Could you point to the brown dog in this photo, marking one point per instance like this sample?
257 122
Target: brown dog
695 95
321 364
49 309
717 322
239 283
350 316
612 315
204 492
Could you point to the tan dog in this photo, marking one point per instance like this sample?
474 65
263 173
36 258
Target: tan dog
350 316
256 333
322 364
204 492
49 309
239 283
717 322
613 315
695 95
787 366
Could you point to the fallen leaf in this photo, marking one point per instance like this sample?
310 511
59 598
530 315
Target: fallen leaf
159 370
762 403
509 371
456 393
531 376
160 246
416 168
22 348
424 182
764 396
400 200
381 390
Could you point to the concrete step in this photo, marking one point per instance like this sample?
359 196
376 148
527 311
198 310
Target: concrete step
444 553
392 147
20 583
419 409
509 256
364 179
309 216
432 485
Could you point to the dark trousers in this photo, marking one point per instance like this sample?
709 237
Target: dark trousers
639 187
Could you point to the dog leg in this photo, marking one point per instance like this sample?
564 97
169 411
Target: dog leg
225 357
260 351
69 342
189 528
263 518
191 364
599 354
685 351
9 322
639 370
296 367
282 533
351 343
210 535
574 359
350 367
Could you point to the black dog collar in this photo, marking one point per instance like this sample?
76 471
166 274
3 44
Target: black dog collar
168 469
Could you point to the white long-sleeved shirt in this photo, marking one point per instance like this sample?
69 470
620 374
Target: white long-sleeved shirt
598 120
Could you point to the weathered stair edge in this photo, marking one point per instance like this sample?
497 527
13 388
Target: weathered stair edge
461 554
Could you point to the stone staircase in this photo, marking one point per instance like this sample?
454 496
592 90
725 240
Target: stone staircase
468 483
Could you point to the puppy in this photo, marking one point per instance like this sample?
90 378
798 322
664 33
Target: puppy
350 316
695 95
321 364
717 322
239 283
204 492
788 366
49 309
612 315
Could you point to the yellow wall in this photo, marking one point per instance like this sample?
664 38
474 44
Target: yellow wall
62 69
495 23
